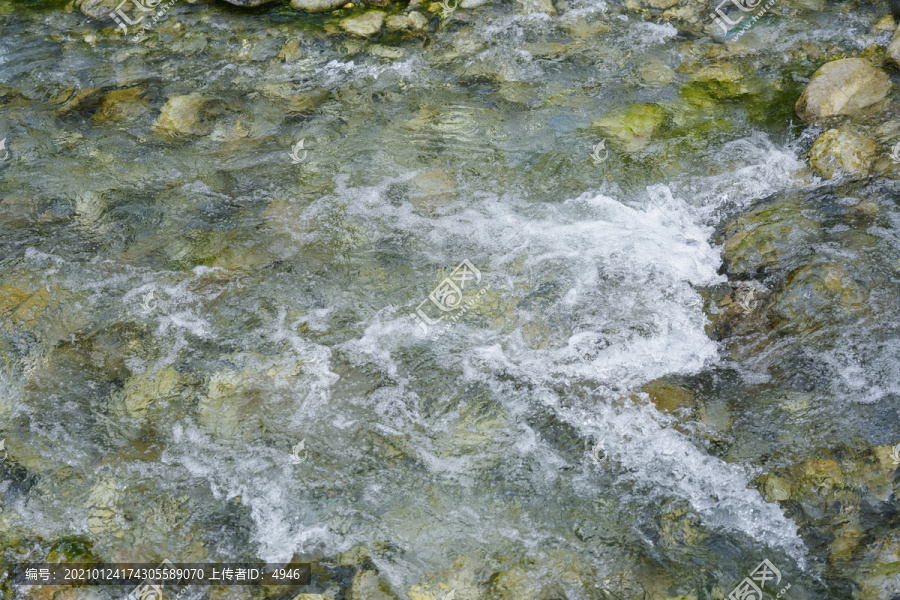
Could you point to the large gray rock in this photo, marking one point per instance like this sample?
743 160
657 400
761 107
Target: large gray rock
842 87
318 5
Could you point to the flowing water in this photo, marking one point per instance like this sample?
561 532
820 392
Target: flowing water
189 309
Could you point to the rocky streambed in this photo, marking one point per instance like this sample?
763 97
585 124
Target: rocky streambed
455 301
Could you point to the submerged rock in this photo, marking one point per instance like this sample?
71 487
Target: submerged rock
842 87
75 101
294 99
367 585
762 240
142 390
184 115
104 517
119 105
20 308
538 6
636 127
842 150
813 295
669 396
365 25
881 579
290 52
557 570
460 577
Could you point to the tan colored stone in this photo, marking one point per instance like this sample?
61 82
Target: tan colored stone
397 22
184 115
885 24
367 585
142 390
530 7
667 396
290 52
79 100
21 308
417 21
317 5
842 87
842 150
365 25
777 488
119 105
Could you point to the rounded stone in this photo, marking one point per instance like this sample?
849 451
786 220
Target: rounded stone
842 87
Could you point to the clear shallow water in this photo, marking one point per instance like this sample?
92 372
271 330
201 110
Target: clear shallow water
283 295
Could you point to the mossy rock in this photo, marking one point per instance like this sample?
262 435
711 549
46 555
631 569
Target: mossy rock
816 296
119 105
21 308
636 127
459 578
669 396
710 84
145 389
77 549
367 585
843 151
766 238
544 576
679 527
777 488
880 578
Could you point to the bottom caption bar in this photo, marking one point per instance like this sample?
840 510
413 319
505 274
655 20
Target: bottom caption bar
167 573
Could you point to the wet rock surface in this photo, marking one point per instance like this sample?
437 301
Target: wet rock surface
842 87
683 312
